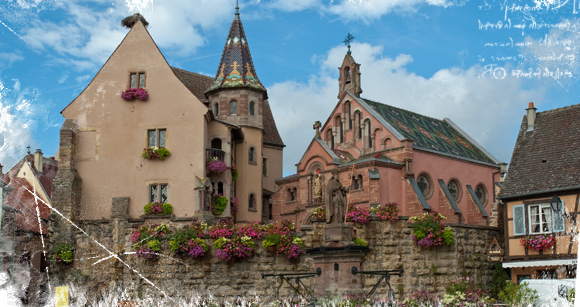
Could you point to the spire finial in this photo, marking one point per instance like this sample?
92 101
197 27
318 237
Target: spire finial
349 38
237 10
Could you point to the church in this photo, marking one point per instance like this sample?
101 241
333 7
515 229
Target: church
386 154
145 132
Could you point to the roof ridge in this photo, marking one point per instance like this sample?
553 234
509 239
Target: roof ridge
433 118
191 72
560 109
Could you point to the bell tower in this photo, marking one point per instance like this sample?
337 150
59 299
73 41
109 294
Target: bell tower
349 72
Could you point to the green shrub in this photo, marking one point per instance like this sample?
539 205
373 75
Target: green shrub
218 204
498 280
360 242
517 295
158 208
63 253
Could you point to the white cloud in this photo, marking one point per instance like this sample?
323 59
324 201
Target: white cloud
17 120
489 110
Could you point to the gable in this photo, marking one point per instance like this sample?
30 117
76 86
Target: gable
548 157
317 151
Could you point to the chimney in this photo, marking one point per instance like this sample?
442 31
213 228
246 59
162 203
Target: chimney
531 116
38 160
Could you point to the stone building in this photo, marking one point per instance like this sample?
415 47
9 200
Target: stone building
23 223
540 195
387 154
138 102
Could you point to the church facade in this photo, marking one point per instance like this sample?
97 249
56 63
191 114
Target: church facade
144 132
386 154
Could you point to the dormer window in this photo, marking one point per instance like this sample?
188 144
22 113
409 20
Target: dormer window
137 80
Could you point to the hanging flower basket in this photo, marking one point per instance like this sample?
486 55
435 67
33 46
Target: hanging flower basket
135 93
539 242
216 166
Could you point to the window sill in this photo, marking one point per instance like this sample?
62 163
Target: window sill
252 210
291 202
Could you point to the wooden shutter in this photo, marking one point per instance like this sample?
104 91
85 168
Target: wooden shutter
519 220
558 221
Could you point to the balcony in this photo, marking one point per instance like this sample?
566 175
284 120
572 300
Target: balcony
211 153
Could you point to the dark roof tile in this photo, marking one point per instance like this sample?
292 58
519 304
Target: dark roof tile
548 157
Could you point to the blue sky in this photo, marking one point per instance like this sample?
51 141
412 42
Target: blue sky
468 60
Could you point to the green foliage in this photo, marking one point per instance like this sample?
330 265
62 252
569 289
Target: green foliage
234 175
218 204
429 230
158 208
63 253
360 242
498 280
570 295
154 245
179 237
517 295
271 240
448 238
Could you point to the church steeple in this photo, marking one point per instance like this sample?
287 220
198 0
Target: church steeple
349 72
236 68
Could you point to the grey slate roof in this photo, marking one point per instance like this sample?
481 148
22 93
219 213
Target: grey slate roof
547 158
195 83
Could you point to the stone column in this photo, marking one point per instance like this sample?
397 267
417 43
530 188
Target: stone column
66 188
119 221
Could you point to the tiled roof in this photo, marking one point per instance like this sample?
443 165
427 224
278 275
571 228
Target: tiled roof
429 133
20 197
236 68
196 83
548 157
271 135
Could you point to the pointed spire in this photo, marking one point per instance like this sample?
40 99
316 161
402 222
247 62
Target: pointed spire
236 68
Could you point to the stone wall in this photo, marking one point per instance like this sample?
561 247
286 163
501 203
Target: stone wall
391 247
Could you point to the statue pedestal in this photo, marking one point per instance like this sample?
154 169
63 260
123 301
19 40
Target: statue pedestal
338 235
336 257
336 264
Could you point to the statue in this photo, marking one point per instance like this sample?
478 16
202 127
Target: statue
208 192
317 187
335 200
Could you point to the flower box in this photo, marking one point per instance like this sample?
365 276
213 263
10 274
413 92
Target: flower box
158 153
135 93
539 242
158 208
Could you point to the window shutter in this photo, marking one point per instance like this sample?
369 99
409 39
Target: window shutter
519 220
558 222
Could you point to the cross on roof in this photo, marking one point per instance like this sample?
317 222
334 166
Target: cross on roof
349 38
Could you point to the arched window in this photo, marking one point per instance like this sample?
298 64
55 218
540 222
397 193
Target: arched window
347 111
360 181
329 138
233 107
347 74
252 155
369 133
216 109
252 107
338 123
388 143
216 143
358 123
252 202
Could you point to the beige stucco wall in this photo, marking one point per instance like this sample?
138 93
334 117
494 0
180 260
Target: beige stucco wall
113 132
250 175
563 239
27 173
